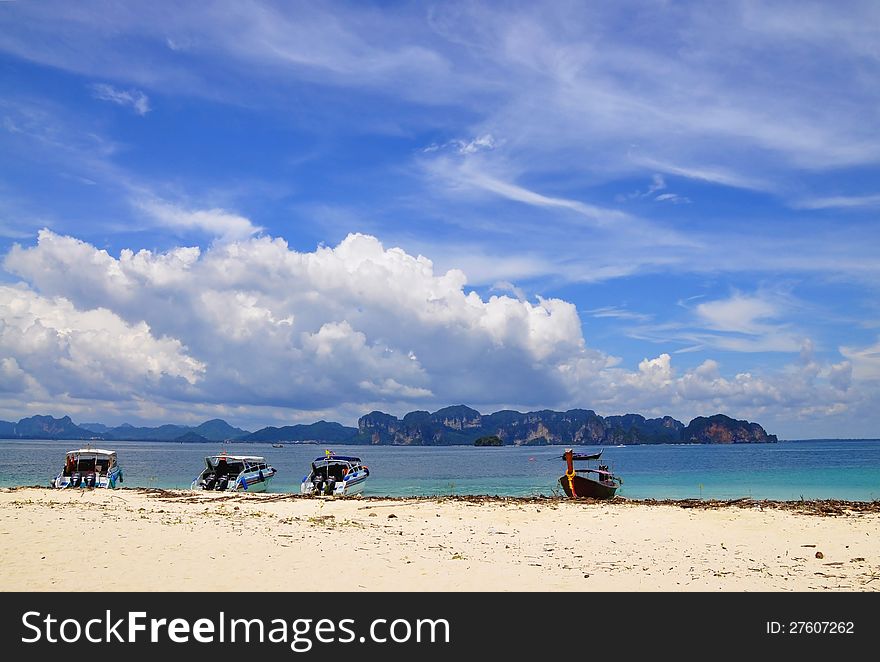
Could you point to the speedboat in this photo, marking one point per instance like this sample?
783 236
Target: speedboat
597 484
335 475
234 473
89 467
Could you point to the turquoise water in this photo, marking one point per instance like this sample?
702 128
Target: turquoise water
787 470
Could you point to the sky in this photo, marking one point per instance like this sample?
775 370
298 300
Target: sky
275 213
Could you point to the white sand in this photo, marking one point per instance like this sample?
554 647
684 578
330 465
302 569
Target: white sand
57 540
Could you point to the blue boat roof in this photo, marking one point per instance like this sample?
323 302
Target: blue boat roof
346 458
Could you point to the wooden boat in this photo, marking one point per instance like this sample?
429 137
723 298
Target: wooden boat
599 483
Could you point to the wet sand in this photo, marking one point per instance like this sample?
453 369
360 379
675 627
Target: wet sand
154 540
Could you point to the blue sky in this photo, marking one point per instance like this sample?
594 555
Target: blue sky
650 207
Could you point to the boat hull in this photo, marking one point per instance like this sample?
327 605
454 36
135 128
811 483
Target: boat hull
348 487
586 488
81 480
249 484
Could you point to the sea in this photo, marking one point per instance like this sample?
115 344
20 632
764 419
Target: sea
788 470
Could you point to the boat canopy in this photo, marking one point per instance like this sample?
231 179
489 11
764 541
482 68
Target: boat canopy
595 456
601 472
91 451
237 458
331 458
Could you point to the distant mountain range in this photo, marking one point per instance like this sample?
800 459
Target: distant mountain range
448 426
47 427
463 425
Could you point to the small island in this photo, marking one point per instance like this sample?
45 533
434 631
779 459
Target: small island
490 440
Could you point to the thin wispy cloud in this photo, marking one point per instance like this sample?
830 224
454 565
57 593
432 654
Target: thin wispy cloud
674 198
131 98
653 192
839 202
615 312
220 223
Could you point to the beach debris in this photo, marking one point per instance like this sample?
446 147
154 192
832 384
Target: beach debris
807 545
392 516
820 507
820 555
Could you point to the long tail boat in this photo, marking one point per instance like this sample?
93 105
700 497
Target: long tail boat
598 483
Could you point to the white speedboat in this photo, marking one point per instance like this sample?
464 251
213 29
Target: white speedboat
234 473
335 475
89 467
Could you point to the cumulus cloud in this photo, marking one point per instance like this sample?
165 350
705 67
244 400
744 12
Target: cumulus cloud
252 325
350 324
132 98
63 349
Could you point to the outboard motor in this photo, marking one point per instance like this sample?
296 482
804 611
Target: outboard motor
75 479
222 483
331 485
90 480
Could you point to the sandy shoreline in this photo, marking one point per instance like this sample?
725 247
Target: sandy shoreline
154 540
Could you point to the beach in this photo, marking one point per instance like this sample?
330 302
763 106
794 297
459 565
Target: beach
157 540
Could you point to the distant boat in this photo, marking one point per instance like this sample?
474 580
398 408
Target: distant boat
89 467
335 475
277 445
602 486
234 473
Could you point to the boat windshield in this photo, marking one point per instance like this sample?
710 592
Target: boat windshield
89 463
223 467
233 466
330 469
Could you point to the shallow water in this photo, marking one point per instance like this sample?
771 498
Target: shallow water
788 470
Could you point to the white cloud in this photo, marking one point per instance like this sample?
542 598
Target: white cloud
674 198
865 361
464 147
742 322
51 345
470 175
134 99
839 202
478 144
340 325
616 312
215 222
507 286
738 313
252 325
